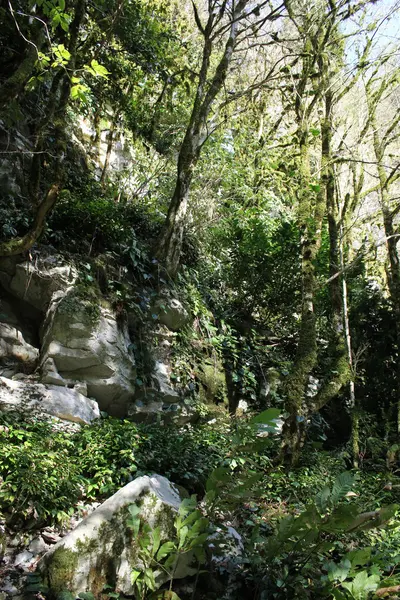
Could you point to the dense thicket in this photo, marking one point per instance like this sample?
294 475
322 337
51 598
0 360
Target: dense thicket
245 153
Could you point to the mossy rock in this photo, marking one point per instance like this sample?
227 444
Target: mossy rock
212 383
102 550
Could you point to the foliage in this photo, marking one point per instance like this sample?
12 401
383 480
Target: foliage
160 556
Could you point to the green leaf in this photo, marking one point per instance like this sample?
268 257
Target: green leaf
358 558
134 576
362 585
165 549
343 484
322 499
339 572
149 580
267 417
156 540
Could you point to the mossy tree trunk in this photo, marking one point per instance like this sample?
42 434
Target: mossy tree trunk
320 57
169 245
310 215
381 139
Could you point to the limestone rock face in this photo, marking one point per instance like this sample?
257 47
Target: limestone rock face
64 403
35 283
83 342
15 352
172 313
102 550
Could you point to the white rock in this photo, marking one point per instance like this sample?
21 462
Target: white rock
14 347
63 403
8 587
35 283
172 313
38 546
23 559
102 549
83 344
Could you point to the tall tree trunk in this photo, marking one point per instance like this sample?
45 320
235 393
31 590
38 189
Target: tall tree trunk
169 245
393 270
339 370
110 143
306 355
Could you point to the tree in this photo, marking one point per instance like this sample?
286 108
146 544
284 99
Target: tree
228 25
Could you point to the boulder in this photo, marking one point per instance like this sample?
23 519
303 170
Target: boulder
84 343
162 383
15 352
172 313
36 282
102 550
60 402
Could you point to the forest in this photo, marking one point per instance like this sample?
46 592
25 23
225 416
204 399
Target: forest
199 299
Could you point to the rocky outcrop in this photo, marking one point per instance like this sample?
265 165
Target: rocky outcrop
84 344
15 352
64 403
35 282
102 550
172 313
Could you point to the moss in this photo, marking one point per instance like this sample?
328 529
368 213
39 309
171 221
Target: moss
60 570
213 383
82 299
2 545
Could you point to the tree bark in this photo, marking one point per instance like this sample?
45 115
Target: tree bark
393 270
169 245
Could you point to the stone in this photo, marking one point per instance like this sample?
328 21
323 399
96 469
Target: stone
84 345
35 283
101 550
172 313
23 559
38 546
147 410
15 350
63 403
211 376
162 383
225 546
8 587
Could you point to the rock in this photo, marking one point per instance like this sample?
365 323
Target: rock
102 549
50 537
35 283
23 559
50 374
83 344
14 349
162 382
172 313
212 382
81 388
63 403
225 545
8 587
147 410
38 546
